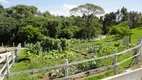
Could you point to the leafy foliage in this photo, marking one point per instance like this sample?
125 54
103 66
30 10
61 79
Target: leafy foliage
89 12
29 34
8 26
121 29
88 9
50 44
36 51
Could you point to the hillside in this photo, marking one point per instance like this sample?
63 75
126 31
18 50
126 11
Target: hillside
136 34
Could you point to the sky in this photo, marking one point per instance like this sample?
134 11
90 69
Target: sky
62 7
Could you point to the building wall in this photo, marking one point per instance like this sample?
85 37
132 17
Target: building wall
130 75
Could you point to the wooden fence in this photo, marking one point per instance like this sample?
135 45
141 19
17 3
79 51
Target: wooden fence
7 60
67 64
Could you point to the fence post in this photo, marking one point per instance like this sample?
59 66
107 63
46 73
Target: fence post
24 44
140 46
13 44
139 51
16 54
7 64
2 44
13 58
115 62
66 68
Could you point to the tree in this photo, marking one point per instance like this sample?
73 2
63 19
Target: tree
118 16
66 21
122 29
96 30
79 21
114 18
133 19
109 20
1 8
53 27
46 14
88 12
66 33
139 19
29 34
21 11
8 27
124 14
36 21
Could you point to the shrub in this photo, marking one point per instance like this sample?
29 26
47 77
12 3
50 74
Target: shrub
50 44
30 34
47 44
121 29
34 50
64 44
93 49
66 33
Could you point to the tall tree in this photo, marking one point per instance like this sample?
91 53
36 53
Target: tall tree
7 28
88 12
53 27
133 19
139 16
21 11
29 34
109 20
124 14
118 16
1 8
46 14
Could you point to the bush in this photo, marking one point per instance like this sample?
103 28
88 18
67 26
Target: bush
47 44
30 34
64 44
93 49
121 29
34 50
50 44
66 33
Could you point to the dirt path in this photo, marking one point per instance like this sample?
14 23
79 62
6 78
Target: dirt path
5 49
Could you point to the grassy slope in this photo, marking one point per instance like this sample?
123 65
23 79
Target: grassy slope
136 34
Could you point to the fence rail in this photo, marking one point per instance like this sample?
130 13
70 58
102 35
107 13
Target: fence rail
66 64
7 60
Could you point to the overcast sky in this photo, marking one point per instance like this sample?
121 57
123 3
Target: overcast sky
62 7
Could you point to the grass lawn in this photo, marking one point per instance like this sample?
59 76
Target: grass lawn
136 34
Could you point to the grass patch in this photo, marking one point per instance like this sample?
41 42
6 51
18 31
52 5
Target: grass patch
136 34
100 75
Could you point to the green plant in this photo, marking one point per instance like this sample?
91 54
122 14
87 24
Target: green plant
121 29
93 49
64 44
50 44
30 34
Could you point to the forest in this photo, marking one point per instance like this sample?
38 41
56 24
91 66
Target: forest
23 23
